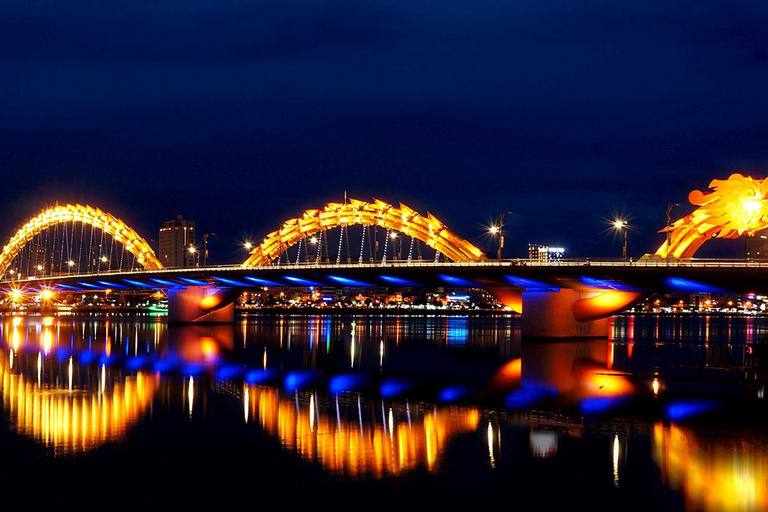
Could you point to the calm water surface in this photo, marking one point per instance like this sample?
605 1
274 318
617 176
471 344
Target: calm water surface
383 412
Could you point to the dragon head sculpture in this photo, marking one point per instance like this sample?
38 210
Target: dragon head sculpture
734 207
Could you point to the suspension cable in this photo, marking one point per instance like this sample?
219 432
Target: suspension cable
362 243
386 243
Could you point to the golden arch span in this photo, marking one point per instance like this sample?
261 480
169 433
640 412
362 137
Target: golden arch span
427 228
59 214
734 207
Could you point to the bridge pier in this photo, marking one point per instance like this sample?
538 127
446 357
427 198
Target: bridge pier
572 313
201 304
549 314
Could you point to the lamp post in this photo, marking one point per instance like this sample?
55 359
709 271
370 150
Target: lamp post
193 251
396 246
622 224
669 224
498 230
205 248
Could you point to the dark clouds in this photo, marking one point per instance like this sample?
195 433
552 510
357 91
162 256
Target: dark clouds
238 114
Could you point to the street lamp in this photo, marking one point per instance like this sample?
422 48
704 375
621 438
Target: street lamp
622 224
248 246
498 230
193 251
396 248
205 248
669 224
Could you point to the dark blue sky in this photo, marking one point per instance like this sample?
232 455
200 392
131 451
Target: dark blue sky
239 114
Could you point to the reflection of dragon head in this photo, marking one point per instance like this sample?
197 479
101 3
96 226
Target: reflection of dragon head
734 207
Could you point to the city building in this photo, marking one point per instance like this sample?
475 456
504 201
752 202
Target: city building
756 247
176 238
545 253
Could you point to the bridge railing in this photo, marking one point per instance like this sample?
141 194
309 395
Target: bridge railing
512 263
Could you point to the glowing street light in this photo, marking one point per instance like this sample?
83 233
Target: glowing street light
46 294
396 246
193 251
313 240
248 246
498 230
622 225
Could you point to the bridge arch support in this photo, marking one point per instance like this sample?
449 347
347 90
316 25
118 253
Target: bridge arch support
427 229
63 214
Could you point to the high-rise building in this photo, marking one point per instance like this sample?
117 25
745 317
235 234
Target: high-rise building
756 247
176 237
545 253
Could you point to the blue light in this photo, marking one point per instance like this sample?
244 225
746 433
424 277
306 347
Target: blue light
686 285
229 372
87 357
456 281
327 299
528 396
530 284
349 382
167 365
166 283
137 363
89 285
193 369
683 409
260 376
231 281
304 282
603 284
193 281
459 298
398 281
453 393
111 285
263 282
139 283
297 380
68 286
394 387
600 404
348 282
63 354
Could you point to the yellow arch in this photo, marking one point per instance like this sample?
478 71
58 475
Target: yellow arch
403 219
58 214
734 207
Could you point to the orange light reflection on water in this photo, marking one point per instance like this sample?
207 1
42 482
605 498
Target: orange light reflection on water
74 421
723 475
391 443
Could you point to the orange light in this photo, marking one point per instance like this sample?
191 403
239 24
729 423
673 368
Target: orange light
734 207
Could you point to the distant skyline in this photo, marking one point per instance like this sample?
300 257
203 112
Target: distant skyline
239 115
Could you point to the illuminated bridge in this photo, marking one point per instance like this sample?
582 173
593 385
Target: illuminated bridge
362 244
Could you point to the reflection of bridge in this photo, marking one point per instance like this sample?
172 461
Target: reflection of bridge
80 248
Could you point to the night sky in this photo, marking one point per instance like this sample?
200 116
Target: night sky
239 114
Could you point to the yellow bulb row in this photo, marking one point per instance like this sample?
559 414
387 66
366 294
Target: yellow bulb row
427 228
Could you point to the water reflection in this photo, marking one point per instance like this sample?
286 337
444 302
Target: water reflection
382 397
353 437
70 421
719 471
